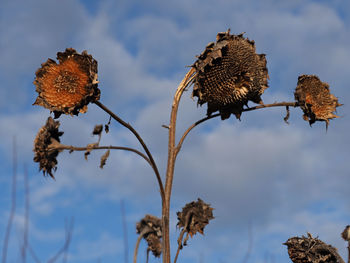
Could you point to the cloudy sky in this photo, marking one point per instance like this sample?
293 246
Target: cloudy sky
267 180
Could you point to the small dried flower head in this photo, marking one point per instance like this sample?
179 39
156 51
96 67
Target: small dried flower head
151 228
229 73
346 233
69 86
315 99
47 136
194 217
310 250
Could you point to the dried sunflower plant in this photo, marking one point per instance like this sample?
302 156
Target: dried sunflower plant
226 76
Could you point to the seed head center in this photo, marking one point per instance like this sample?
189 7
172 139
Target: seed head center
66 81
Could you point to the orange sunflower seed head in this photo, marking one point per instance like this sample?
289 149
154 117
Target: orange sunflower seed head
48 135
151 228
67 87
229 73
315 99
194 217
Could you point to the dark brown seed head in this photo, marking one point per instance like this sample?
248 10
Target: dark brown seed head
194 217
151 228
229 73
47 136
67 87
315 99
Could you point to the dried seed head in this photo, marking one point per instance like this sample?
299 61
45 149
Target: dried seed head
310 250
346 233
151 229
315 99
67 87
47 136
229 74
194 217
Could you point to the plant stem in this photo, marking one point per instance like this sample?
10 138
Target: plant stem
277 104
171 165
79 149
128 126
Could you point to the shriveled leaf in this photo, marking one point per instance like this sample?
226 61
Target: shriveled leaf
104 158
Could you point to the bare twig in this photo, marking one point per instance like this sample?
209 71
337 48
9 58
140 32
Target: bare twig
26 216
144 232
179 243
128 126
33 254
250 245
68 238
125 232
278 104
171 163
13 201
96 147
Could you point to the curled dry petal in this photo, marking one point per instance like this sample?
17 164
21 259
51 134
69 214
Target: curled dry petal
44 154
315 99
67 87
194 217
151 228
229 73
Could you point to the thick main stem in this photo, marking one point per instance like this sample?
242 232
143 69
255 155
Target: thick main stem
171 166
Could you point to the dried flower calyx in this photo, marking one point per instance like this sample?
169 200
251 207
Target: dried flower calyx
194 217
315 99
311 250
150 227
229 73
67 87
47 136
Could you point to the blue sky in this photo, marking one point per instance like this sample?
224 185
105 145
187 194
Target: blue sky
261 174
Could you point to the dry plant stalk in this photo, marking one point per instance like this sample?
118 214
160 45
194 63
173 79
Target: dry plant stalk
226 76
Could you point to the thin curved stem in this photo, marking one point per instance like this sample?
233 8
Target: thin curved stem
73 148
277 104
142 234
128 126
171 164
179 243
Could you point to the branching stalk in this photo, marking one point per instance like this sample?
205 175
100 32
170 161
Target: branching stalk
79 149
128 126
277 104
171 164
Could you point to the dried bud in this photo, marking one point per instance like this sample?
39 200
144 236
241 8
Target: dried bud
67 87
194 217
315 99
310 250
47 136
97 130
346 233
229 73
151 229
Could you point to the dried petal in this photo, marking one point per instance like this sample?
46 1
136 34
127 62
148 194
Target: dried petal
194 217
315 99
229 73
151 228
47 136
104 158
67 87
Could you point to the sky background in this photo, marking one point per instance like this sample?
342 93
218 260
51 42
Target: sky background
267 180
